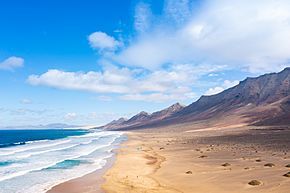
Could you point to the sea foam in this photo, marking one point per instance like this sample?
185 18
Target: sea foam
37 166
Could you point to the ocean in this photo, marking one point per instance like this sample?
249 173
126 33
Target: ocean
33 161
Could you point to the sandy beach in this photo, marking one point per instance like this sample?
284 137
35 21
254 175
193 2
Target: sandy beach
175 161
209 161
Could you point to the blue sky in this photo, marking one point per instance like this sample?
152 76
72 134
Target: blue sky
88 62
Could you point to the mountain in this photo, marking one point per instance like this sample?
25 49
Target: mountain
250 95
143 118
113 125
264 100
139 118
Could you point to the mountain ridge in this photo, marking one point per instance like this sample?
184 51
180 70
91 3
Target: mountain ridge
143 118
262 100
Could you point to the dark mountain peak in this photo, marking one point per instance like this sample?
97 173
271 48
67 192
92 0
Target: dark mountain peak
166 112
144 118
143 113
122 118
176 106
139 117
114 123
118 121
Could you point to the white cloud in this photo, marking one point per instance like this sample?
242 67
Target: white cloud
226 84
102 41
113 81
70 116
242 34
134 84
11 63
213 91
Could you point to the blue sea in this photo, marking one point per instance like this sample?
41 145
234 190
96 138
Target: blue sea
33 161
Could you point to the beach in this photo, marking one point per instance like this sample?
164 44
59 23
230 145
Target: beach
89 183
170 160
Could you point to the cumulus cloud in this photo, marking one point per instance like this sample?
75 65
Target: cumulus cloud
11 63
102 41
136 84
108 81
226 84
242 34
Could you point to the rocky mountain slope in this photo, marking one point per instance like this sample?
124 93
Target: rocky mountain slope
264 100
252 92
144 118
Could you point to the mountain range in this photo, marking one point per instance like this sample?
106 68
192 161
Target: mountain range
263 100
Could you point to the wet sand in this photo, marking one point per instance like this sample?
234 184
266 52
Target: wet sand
90 183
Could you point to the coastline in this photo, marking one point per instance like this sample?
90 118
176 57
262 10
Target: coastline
89 183
176 161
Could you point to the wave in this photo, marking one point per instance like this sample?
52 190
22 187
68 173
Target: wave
67 164
5 145
56 149
9 151
11 144
5 163
71 174
96 134
45 151
85 153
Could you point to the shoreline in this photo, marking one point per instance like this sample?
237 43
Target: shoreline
86 183
89 183
174 161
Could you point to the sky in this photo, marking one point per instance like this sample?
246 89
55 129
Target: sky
89 62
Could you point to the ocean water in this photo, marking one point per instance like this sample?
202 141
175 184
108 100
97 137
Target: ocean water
33 161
